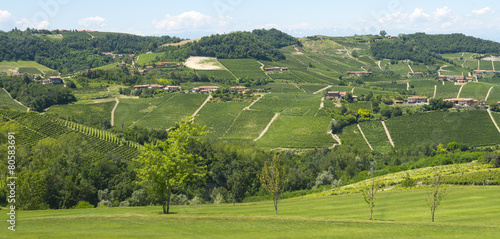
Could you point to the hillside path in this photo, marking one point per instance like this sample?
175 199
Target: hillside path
364 137
27 108
255 101
322 103
380 67
410 69
435 90
407 85
267 126
261 65
299 87
201 106
388 134
352 90
478 64
493 119
460 91
335 137
113 112
492 64
323 89
488 95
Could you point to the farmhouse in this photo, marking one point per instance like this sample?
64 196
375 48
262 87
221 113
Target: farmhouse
479 72
172 87
398 102
415 73
239 89
417 99
53 80
121 64
17 74
358 73
335 95
462 101
205 89
163 64
393 37
149 67
143 87
272 69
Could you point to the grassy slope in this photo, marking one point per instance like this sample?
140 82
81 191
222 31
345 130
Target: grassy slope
5 100
467 212
471 127
81 112
10 66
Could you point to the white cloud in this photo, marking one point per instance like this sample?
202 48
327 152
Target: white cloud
190 21
92 22
418 14
26 23
483 11
441 13
4 15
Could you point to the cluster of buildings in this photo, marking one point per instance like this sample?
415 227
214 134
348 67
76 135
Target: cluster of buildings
209 89
337 95
463 102
415 73
52 80
358 73
156 86
459 80
273 69
481 72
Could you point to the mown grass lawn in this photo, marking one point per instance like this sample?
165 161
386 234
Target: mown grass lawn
466 212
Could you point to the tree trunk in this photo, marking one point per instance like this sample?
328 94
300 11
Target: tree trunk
168 200
371 211
275 205
163 203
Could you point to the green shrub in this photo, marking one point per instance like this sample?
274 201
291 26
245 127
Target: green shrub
83 204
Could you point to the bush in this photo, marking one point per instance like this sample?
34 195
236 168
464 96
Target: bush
124 204
83 204
408 182
195 201
105 203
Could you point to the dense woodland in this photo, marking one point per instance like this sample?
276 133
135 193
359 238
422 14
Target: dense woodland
35 95
424 48
73 52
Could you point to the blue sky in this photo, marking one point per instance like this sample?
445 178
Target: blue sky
195 18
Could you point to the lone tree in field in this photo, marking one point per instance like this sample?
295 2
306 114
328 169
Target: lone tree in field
167 164
369 192
436 192
273 179
383 33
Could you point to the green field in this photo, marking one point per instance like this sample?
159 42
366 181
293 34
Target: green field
28 66
218 117
494 95
473 128
242 68
477 91
248 125
6 100
93 114
449 90
351 136
311 88
486 65
30 70
131 110
466 212
148 59
424 87
176 108
376 136
297 132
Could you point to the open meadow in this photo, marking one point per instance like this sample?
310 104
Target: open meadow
466 212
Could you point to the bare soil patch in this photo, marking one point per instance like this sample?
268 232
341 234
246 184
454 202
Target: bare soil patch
203 63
